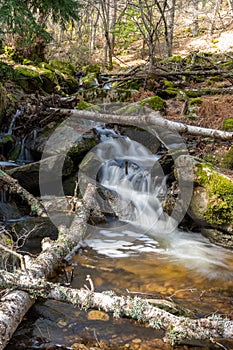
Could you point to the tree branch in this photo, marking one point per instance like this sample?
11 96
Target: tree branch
153 119
14 187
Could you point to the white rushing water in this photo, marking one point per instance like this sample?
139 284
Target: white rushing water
132 174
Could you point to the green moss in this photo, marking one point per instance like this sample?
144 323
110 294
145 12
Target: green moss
27 62
216 78
13 55
155 102
227 161
89 79
88 106
63 66
92 68
7 138
173 59
28 79
168 84
171 92
76 152
68 84
194 93
130 84
27 72
227 65
220 195
228 124
196 101
6 71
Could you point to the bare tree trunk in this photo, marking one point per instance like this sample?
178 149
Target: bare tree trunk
195 25
152 119
170 16
93 29
216 10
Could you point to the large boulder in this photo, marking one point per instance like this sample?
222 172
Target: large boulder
55 76
28 175
211 205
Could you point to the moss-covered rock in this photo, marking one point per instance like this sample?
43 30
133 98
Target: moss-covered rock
212 201
29 79
46 77
168 83
228 124
171 92
98 95
83 146
155 102
62 66
219 190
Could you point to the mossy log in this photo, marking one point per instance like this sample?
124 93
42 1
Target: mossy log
177 328
152 119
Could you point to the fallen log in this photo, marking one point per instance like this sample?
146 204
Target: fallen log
16 303
8 184
177 328
153 119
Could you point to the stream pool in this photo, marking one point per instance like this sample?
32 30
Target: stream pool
183 268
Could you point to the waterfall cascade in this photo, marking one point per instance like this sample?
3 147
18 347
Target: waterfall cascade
130 172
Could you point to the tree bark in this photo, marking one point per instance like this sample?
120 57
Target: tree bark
177 328
12 186
153 119
15 304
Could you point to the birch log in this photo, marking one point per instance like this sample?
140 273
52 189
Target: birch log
16 303
151 119
12 186
177 328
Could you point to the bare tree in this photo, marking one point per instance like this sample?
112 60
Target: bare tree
169 25
195 25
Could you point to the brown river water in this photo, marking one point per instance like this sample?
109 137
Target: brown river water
184 268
